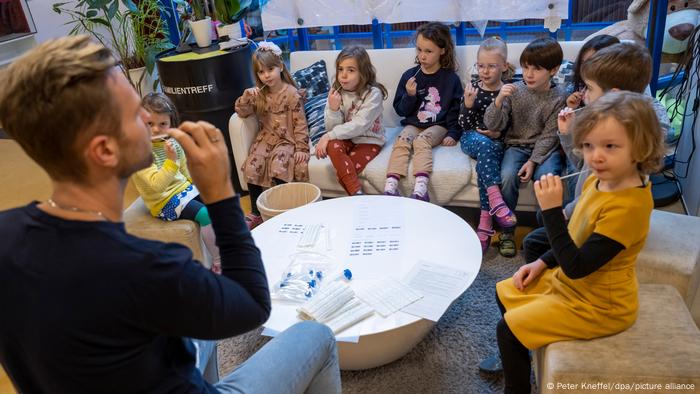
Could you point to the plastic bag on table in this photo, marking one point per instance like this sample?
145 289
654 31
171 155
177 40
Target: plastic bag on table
303 277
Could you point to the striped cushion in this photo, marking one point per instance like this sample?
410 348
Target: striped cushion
313 78
313 109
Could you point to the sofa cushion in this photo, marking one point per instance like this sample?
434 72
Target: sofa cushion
313 78
314 111
565 76
672 257
662 347
139 222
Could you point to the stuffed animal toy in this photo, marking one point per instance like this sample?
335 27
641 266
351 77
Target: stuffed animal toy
681 20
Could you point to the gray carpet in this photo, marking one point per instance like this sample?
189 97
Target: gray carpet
446 361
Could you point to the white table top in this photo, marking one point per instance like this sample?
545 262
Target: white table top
429 233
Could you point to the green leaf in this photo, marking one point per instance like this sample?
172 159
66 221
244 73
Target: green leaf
129 4
57 7
91 13
97 4
100 21
113 8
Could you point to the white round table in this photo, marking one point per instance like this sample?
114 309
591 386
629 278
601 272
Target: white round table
425 232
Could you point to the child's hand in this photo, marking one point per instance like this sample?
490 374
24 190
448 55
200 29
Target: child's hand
506 91
527 273
564 120
526 171
322 146
549 191
334 100
170 151
489 133
469 95
252 92
301 157
411 86
574 100
207 159
448 141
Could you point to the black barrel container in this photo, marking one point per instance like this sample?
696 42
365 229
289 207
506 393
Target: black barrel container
205 86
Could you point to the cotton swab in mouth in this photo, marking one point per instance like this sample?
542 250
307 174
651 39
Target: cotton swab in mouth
414 75
572 111
574 174
160 138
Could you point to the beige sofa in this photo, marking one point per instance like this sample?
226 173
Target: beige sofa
453 182
663 345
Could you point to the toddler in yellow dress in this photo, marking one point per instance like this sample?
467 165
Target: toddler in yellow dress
586 287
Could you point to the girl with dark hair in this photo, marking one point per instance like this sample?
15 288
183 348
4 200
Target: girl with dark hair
428 97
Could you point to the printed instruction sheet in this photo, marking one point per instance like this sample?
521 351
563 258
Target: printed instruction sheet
439 284
376 231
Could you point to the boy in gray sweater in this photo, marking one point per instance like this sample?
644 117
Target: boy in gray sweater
528 109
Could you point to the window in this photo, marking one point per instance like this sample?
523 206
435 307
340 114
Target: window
15 20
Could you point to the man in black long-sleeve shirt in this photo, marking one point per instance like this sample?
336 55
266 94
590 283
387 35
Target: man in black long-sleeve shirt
87 307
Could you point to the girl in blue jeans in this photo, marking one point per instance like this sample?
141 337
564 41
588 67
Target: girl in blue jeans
481 144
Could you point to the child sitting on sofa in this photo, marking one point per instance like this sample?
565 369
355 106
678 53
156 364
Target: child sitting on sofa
280 152
575 99
428 98
531 108
481 144
166 186
353 117
588 49
622 66
585 287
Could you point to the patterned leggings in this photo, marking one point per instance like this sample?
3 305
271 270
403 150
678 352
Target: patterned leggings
350 159
488 154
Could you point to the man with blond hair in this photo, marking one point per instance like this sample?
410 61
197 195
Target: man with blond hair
88 308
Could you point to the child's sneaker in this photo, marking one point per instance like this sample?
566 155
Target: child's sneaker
491 365
425 197
391 187
253 220
506 245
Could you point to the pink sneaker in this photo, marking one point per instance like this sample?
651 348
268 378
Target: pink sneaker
503 216
253 220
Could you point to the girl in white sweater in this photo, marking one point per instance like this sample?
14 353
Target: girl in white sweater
353 118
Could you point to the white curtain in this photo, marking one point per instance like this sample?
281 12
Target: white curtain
283 14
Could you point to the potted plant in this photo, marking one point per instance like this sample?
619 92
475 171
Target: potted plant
135 32
223 14
229 13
